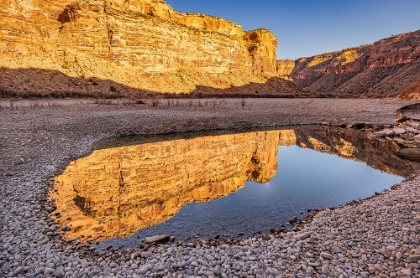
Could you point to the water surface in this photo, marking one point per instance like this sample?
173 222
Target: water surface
224 184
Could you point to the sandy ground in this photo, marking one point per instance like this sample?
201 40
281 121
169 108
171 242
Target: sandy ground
38 141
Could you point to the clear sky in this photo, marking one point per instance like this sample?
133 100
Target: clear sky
307 27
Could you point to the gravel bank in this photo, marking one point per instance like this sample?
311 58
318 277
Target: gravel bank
378 237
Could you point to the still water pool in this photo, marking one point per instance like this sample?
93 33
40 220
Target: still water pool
223 184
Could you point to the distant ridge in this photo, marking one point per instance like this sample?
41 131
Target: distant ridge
387 68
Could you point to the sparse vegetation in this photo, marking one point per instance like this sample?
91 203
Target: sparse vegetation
412 91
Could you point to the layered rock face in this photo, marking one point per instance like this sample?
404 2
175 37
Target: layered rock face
142 44
117 191
383 69
285 68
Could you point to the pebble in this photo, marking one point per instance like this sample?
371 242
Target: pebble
18 270
49 270
406 271
59 273
326 255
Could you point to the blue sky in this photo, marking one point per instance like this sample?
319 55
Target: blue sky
309 27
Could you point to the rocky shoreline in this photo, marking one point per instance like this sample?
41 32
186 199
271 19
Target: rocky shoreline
376 237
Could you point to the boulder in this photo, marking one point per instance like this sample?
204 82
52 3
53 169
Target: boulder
399 130
412 130
157 239
412 154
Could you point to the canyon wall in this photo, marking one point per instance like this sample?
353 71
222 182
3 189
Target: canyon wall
383 69
141 44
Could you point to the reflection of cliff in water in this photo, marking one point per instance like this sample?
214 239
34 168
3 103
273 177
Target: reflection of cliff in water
115 192
118 191
356 145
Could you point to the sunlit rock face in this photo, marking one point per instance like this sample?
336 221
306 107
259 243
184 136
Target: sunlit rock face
381 69
143 44
285 68
115 192
118 191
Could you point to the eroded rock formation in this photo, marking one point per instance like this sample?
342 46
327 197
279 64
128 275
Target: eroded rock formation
383 69
143 44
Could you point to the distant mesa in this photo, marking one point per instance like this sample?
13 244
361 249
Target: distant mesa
143 46
387 68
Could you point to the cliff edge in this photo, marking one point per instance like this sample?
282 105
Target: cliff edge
387 68
81 47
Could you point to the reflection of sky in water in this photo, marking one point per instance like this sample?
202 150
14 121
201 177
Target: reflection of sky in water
305 179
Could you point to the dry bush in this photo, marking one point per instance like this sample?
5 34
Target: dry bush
103 101
155 103
412 91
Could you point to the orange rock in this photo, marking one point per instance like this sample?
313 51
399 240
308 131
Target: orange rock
131 42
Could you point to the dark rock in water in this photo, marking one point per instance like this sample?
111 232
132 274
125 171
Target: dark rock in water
157 239
172 239
272 230
292 220
412 154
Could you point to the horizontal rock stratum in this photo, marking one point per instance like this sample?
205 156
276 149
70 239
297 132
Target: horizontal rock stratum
387 68
51 47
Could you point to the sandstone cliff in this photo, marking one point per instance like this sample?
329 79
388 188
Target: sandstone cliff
382 69
139 44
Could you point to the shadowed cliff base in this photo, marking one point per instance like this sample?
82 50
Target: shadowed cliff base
39 83
398 81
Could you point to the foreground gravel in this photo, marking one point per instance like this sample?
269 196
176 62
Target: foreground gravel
378 237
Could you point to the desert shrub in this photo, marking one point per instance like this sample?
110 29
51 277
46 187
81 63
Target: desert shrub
411 91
